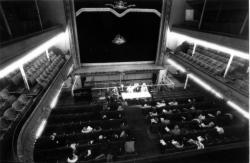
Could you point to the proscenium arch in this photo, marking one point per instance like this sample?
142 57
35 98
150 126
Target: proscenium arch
107 9
122 14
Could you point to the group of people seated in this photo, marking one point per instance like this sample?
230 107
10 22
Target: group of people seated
191 123
136 88
98 132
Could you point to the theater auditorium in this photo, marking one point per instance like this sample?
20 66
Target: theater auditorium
124 81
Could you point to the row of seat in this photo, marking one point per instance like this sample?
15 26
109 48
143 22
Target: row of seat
14 98
11 108
213 54
215 68
215 63
97 131
190 124
201 140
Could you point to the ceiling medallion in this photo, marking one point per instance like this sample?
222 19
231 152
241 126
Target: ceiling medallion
121 5
118 40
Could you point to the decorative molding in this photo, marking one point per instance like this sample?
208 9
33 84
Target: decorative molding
119 40
119 15
121 5
164 26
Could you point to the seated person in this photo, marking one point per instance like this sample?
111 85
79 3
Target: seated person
219 130
87 129
163 145
130 89
73 146
197 142
144 87
122 87
176 144
104 116
87 154
192 108
176 130
166 129
53 136
160 104
167 111
97 129
101 138
123 134
173 103
72 158
154 113
154 120
120 108
136 87
210 124
165 121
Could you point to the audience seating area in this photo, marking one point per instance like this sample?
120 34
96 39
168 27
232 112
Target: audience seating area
207 60
91 132
15 99
215 63
194 122
43 69
176 120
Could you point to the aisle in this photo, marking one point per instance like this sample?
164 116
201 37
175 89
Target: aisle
135 119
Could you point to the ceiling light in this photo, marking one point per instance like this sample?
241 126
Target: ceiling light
55 99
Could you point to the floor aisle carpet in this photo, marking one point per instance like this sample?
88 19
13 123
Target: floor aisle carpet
136 121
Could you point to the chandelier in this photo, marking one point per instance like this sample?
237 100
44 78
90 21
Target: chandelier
118 40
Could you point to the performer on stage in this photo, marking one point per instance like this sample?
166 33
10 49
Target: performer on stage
144 88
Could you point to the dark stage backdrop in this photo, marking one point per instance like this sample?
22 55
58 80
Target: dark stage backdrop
97 30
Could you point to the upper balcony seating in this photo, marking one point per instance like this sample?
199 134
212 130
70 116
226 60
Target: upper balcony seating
42 69
14 98
215 63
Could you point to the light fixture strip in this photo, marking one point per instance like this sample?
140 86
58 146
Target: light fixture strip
176 65
205 85
55 99
41 128
238 108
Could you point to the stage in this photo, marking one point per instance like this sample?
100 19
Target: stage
116 68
